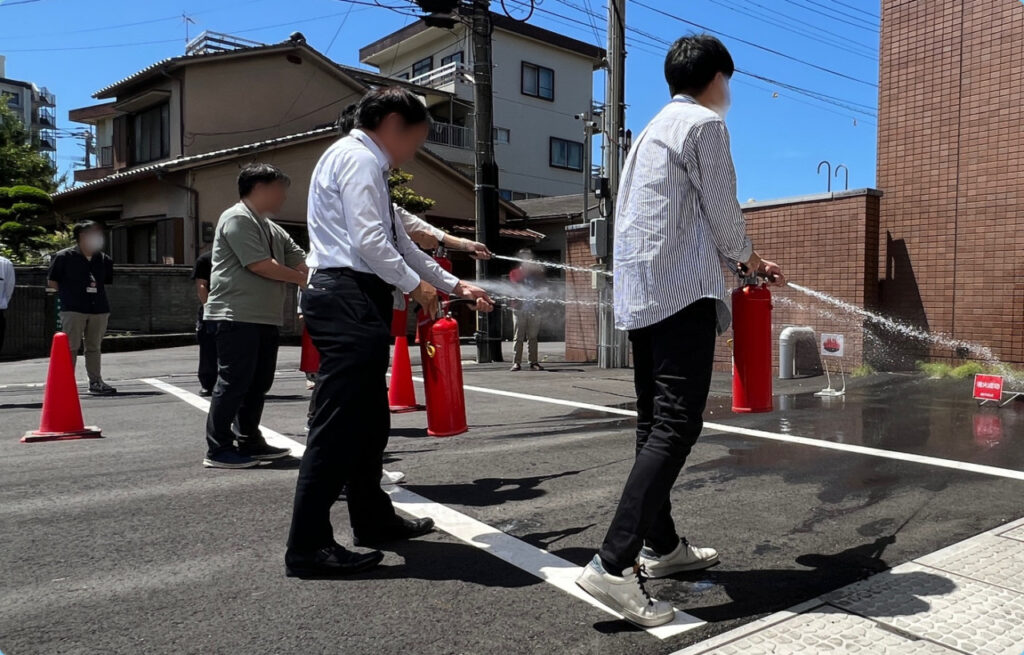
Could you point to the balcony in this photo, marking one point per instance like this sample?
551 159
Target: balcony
452 78
46 118
454 136
46 98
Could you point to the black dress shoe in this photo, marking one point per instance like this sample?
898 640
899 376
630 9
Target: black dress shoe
402 529
330 562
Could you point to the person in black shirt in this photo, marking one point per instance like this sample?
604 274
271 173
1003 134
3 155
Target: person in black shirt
80 275
206 331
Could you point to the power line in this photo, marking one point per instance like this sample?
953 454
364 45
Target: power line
757 45
860 25
771 20
849 105
849 6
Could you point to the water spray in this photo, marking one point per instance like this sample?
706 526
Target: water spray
562 267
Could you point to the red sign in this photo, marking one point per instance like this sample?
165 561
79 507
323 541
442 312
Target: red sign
988 387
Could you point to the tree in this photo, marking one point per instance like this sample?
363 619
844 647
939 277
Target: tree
403 196
20 162
22 207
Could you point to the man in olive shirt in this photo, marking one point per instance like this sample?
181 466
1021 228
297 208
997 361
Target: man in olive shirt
254 259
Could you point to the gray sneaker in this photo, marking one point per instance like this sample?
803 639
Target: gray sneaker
625 593
684 558
101 389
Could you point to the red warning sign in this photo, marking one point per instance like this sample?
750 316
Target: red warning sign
988 387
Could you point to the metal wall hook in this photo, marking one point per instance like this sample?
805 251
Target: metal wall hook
846 185
828 176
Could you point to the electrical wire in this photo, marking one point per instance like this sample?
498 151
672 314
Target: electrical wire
529 15
864 25
850 105
766 17
849 6
757 45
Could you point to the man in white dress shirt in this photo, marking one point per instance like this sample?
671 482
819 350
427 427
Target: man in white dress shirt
677 218
358 254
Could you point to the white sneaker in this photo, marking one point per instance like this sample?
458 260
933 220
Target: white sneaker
625 594
391 477
684 558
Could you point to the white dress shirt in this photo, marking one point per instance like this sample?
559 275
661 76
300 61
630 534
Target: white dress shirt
352 223
6 282
414 224
676 218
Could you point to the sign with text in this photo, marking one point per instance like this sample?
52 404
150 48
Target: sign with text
833 345
988 387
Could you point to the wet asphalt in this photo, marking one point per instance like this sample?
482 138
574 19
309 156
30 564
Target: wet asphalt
127 545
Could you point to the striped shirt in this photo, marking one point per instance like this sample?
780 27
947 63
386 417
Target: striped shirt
677 217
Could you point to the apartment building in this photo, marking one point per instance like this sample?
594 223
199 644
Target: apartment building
36 107
541 80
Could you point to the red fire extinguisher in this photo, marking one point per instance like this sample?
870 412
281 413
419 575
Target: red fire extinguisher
752 347
442 375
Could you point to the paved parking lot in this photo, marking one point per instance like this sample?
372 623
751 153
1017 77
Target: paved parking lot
127 545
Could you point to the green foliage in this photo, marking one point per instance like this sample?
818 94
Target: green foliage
28 194
19 237
863 371
935 370
967 370
20 162
405 197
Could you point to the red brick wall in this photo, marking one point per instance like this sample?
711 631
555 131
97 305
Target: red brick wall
826 242
828 245
951 163
580 320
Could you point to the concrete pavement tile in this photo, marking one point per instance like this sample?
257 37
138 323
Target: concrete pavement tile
970 616
995 560
826 630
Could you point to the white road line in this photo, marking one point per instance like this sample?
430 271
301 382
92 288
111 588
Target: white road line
535 561
275 439
774 436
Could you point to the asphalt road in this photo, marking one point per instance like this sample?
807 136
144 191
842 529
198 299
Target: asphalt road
127 545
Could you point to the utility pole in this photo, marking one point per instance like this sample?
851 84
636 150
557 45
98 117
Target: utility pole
488 332
613 346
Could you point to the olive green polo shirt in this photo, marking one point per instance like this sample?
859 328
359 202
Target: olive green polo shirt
236 293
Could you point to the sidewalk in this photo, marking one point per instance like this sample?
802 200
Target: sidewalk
967 598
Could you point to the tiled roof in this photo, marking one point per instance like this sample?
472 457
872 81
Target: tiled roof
187 162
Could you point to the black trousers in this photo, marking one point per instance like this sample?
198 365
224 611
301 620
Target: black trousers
206 336
3 328
348 315
246 360
672 363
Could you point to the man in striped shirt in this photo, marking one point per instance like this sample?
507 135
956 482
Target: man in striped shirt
676 220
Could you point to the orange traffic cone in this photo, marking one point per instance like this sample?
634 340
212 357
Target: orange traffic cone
62 413
401 394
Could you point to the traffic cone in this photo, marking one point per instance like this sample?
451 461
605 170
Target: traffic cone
309 359
62 413
401 394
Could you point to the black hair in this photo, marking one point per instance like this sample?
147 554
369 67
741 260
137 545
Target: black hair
377 104
693 61
347 120
83 226
253 174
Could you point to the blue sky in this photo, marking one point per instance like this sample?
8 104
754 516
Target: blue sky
778 134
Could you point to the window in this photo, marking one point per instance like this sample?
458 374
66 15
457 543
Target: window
566 154
151 130
455 57
13 99
423 66
538 82
502 135
403 76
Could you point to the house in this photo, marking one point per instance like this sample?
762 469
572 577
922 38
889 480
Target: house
36 108
173 136
541 81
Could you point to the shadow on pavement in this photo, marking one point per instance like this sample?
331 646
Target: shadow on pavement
486 492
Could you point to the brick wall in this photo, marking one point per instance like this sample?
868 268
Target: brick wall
951 161
827 242
580 320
